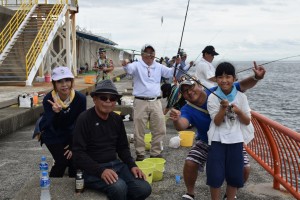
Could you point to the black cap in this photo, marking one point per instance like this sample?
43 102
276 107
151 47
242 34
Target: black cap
102 50
210 50
105 87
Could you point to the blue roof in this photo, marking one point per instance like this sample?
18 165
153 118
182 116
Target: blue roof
96 38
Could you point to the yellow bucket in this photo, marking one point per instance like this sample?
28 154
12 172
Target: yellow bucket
187 138
147 168
117 79
118 112
159 167
147 140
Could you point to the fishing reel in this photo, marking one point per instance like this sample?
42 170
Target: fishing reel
230 113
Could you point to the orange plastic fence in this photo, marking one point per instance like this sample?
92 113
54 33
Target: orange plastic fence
277 149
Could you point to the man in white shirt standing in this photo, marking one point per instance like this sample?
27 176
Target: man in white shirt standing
205 71
147 74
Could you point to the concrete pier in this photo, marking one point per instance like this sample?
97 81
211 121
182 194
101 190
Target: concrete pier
20 156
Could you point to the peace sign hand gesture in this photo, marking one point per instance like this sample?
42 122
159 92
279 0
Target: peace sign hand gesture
55 106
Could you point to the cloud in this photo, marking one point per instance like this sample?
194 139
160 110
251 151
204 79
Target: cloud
260 29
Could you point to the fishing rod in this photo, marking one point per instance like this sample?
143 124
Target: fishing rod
179 48
270 62
185 73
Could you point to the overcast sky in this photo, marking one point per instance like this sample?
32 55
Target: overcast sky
238 29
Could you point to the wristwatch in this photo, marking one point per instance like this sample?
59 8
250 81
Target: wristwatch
254 78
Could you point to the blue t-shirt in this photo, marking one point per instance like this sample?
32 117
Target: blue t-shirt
199 119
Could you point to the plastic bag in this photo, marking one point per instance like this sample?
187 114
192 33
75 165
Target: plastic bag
174 142
25 100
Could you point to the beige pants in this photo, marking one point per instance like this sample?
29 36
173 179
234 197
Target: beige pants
152 111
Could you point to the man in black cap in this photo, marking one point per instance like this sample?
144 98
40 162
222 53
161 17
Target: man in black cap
104 66
205 71
100 149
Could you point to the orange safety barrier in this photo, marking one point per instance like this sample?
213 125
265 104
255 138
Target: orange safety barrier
277 149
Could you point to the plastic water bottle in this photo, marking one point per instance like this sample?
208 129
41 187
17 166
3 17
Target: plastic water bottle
43 165
45 186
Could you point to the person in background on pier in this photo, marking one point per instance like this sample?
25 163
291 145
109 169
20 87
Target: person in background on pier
183 66
229 128
101 149
103 66
62 106
205 71
195 113
147 104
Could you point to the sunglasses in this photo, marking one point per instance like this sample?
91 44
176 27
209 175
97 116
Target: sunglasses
105 98
64 80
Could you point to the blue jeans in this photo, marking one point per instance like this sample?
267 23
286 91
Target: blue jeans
126 187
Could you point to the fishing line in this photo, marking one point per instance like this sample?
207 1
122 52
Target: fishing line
179 48
270 62
197 81
209 43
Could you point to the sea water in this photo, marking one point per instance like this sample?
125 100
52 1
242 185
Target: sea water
277 96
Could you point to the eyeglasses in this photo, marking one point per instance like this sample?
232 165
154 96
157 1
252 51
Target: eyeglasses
64 80
105 98
148 68
149 54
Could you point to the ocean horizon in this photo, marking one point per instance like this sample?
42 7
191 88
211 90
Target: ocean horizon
277 95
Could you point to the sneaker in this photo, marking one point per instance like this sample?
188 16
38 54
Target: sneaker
188 197
157 156
225 197
140 158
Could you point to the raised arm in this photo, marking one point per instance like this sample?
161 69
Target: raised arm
259 73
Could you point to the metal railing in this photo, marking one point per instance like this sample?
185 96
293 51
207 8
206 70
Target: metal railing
8 3
277 149
13 25
42 36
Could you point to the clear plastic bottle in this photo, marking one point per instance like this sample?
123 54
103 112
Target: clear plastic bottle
45 186
43 165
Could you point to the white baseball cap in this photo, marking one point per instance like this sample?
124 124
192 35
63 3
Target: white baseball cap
61 72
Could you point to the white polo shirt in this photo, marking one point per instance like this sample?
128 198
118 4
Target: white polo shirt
146 78
204 71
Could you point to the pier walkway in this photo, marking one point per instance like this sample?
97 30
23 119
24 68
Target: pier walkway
20 155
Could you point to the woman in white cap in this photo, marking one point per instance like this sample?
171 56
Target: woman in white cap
62 106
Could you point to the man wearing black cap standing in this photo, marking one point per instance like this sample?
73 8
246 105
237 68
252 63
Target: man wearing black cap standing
104 66
100 148
147 74
205 71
